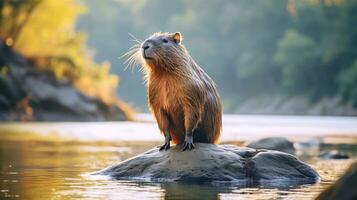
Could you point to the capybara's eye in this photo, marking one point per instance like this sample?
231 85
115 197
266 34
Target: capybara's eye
165 41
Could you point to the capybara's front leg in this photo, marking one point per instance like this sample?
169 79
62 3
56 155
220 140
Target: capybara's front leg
166 146
163 121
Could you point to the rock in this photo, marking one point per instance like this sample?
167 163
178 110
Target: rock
274 143
312 143
31 94
344 188
334 154
209 162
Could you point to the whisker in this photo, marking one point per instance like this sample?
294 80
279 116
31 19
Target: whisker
133 56
134 39
130 52
135 46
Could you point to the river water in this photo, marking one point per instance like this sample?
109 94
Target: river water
52 160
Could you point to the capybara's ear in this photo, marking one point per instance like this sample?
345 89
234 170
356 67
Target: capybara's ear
177 37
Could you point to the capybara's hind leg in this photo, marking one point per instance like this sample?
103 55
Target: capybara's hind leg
188 143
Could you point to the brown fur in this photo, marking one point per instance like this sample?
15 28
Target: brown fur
182 97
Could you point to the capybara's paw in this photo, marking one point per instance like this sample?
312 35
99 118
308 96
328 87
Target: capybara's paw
188 146
188 143
165 147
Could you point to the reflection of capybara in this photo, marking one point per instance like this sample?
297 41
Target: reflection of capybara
182 97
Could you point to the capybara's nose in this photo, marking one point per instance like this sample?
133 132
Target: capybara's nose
146 51
147 44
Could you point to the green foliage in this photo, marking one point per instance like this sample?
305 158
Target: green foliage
44 30
320 45
298 57
234 41
348 83
250 48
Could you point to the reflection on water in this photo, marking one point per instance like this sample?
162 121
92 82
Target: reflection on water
47 169
56 170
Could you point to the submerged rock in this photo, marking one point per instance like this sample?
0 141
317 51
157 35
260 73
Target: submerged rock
344 188
334 154
209 162
274 143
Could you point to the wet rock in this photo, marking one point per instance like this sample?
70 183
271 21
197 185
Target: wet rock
209 162
31 94
344 188
334 154
274 143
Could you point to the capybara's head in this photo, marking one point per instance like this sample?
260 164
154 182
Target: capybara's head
161 51
164 51
160 44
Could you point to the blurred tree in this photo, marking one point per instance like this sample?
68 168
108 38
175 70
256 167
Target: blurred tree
321 44
44 31
348 83
235 48
298 56
251 48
